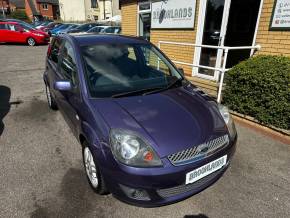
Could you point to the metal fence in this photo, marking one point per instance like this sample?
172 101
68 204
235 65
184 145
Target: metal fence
221 69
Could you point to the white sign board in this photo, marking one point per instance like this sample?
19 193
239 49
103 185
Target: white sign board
281 15
172 14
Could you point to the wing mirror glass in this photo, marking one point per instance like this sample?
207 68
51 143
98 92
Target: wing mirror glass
63 85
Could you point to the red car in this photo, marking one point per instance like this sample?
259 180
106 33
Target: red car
13 32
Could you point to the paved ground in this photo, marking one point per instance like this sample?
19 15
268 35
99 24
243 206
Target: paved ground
41 174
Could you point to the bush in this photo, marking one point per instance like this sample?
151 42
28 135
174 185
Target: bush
260 87
19 14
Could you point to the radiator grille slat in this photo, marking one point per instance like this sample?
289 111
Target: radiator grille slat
191 154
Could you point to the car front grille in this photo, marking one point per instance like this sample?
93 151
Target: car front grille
195 153
177 190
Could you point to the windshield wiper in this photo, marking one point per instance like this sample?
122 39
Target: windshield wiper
163 89
135 92
147 91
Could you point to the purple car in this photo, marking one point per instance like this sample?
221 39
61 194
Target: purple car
148 135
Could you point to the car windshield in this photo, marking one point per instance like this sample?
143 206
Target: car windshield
63 26
27 26
119 70
73 26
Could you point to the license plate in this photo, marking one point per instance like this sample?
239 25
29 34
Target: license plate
205 170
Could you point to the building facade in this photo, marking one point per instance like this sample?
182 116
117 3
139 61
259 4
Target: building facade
39 9
6 7
178 26
88 10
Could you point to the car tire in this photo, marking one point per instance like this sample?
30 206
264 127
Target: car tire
31 41
50 100
92 171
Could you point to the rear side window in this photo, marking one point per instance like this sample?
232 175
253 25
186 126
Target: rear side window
2 26
14 27
68 63
55 49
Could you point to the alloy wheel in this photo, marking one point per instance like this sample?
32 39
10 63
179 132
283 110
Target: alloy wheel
31 42
90 166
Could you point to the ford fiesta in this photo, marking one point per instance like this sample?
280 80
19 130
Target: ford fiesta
148 135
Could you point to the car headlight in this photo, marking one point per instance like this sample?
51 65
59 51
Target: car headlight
132 150
38 34
228 120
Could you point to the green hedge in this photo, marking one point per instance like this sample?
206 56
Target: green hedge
19 14
260 87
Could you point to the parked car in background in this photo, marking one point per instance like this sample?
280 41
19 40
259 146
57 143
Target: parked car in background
112 29
83 28
62 28
13 32
72 26
37 23
43 24
50 26
148 135
54 30
96 29
105 29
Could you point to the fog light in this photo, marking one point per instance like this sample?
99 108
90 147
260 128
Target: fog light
137 194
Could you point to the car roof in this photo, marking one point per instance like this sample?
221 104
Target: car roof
8 22
92 39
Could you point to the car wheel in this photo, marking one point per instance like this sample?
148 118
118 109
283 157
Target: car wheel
50 100
31 42
93 173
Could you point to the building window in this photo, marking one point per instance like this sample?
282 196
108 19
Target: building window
94 4
44 6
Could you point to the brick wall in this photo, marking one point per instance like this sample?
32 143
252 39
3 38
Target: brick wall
129 17
177 53
46 13
272 42
28 10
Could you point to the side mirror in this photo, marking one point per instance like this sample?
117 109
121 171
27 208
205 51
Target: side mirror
63 85
181 71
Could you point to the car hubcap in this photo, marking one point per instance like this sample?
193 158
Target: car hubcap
48 95
90 167
31 42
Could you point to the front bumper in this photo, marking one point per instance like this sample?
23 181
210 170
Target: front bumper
163 185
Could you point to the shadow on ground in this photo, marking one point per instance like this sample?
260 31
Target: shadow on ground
74 193
196 216
5 94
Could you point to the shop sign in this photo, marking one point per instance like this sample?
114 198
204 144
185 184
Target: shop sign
173 14
281 15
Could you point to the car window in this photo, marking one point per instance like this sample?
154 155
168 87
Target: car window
2 27
131 54
55 49
68 63
112 30
13 27
154 61
119 68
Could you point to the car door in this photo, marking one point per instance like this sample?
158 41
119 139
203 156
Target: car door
52 67
69 102
15 33
3 32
